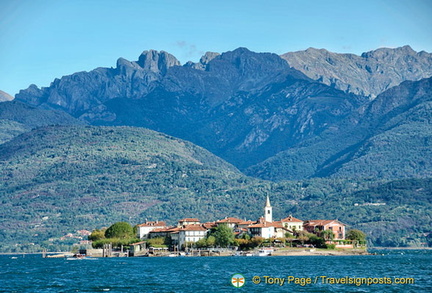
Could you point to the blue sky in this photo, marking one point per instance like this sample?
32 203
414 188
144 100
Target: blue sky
45 39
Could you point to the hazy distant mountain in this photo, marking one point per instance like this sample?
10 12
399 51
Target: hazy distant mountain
5 96
17 118
369 74
252 109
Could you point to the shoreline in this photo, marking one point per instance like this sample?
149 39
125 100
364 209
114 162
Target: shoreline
401 248
284 252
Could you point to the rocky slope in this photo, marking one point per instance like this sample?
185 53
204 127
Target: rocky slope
240 105
252 109
369 74
389 138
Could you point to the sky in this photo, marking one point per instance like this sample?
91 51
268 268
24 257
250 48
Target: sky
41 40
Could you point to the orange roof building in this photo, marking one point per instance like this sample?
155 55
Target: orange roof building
317 226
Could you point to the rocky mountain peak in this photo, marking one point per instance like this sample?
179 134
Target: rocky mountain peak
204 61
248 63
155 61
369 74
389 53
127 68
207 57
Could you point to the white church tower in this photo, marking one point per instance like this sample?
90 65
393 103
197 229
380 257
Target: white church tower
268 211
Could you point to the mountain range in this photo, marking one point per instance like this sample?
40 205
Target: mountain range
369 74
327 135
270 120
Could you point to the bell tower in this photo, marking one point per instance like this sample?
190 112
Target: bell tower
268 211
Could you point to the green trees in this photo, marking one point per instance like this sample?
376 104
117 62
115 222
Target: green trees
247 243
327 235
120 233
159 242
356 235
97 234
223 235
120 230
209 241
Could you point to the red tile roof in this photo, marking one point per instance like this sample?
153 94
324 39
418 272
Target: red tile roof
322 222
247 223
193 228
209 225
153 224
189 220
291 219
165 230
262 225
276 224
230 220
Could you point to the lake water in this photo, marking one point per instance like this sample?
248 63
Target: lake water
395 271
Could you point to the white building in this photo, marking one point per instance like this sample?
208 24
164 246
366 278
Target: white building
144 229
262 229
292 224
188 221
190 233
266 228
268 211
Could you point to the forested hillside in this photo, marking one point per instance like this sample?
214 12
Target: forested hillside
57 180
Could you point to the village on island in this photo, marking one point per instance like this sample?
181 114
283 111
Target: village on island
233 236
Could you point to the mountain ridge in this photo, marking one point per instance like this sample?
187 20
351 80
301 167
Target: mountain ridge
243 106
403 109
369 74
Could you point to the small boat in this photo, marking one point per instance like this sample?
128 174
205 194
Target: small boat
80 257
265 252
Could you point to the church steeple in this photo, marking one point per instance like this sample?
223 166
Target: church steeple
268 211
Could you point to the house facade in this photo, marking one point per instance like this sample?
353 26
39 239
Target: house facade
230 222
145 228
292 224
190 234
264 229
318 226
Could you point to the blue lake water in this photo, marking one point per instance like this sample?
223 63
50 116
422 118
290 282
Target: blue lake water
396 270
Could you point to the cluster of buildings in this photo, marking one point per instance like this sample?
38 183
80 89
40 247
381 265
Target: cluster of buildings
191 230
